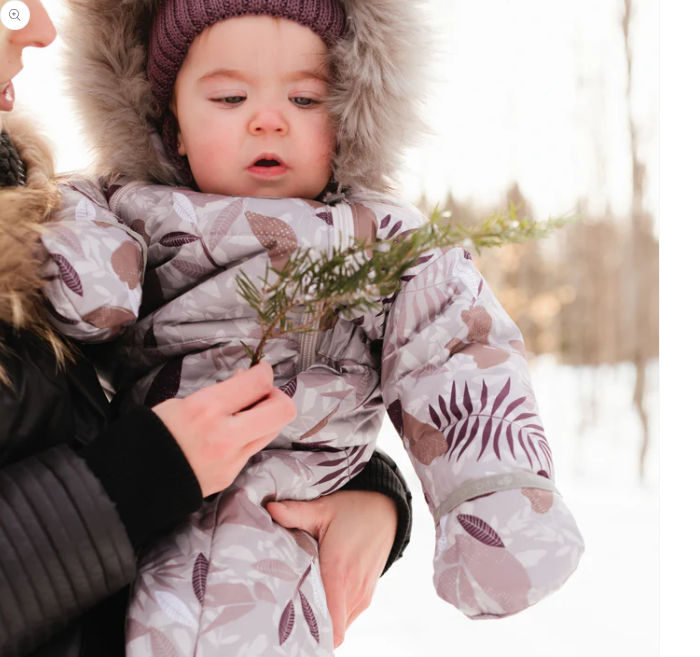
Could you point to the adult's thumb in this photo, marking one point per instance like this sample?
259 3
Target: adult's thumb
306 516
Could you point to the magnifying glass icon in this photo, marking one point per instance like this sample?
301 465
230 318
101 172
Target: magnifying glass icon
14 14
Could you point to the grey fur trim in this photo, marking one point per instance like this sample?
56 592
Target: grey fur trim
383 80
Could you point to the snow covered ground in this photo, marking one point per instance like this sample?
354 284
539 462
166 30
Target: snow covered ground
610 606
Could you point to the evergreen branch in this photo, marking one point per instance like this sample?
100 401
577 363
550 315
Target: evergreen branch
353 278
503 228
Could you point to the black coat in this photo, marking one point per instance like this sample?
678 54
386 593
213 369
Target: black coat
63 547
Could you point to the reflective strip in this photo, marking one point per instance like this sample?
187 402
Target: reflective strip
493 484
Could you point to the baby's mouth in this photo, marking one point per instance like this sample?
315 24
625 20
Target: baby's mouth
268 167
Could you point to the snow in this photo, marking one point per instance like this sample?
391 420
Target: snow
610 605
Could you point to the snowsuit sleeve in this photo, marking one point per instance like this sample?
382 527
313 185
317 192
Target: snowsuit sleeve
95 266
457 388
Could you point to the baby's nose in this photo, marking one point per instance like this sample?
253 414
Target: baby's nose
269 120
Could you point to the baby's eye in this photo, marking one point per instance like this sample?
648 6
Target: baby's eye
230 100
306 102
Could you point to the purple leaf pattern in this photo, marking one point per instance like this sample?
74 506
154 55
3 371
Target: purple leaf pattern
305 542
237 602
223 222
190 269
68 275
326 216
161 646
318 427
290 387
480 530
199 577
263 593
286 622
395 413
68 238
178 238
243 512
395 229
355 459
467 427
275 568
309 616
137 630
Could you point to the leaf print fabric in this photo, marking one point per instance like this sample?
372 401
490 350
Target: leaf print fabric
272 602
440 356
457 389
93 277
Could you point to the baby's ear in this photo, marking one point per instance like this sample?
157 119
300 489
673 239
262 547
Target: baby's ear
181 150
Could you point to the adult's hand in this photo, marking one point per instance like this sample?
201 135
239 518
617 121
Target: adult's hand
355 532
216 430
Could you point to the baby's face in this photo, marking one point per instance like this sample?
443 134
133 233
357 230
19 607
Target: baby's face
255 87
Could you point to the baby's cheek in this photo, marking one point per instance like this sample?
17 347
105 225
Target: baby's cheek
324 153
210 162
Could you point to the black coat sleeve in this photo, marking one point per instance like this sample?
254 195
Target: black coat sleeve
63 547
70 522
76 499
382 475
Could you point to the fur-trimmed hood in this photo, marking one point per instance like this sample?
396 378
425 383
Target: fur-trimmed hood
22 212
382 65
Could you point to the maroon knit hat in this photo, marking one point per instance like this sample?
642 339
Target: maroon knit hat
178 22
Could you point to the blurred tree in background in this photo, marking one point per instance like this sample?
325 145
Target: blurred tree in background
589 295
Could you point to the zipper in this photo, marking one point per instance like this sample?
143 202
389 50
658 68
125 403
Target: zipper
342 235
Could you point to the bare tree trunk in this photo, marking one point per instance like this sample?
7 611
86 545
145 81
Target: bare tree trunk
640 231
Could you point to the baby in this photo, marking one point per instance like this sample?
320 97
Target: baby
275 125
